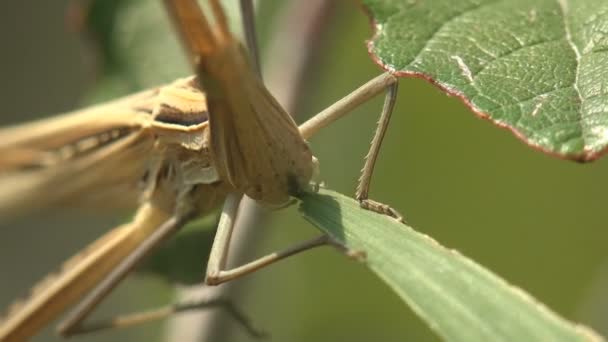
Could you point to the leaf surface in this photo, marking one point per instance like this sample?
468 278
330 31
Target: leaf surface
536 67
458 298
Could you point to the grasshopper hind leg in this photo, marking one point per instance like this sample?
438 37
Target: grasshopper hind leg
362 193
194 304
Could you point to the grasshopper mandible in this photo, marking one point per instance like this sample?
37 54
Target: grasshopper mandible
183 150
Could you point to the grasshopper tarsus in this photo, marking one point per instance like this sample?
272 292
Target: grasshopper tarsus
381 208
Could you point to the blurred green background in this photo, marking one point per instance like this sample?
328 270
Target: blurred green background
533 219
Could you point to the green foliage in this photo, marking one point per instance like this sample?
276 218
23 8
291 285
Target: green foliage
538 68
457 297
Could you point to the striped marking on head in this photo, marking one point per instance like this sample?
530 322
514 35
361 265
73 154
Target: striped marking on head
181 103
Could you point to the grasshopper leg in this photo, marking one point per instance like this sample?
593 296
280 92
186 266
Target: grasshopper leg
362 193
201 303
346 105
216 268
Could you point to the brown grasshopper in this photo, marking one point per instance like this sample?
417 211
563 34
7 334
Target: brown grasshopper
184 151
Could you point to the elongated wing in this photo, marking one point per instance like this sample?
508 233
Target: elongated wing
256 145
99 156
94 157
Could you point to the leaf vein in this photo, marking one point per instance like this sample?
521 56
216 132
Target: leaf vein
445 23
563 5
507 54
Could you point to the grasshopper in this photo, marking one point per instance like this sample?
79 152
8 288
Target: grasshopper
184 151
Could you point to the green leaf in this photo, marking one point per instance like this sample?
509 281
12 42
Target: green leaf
458 298
536 67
